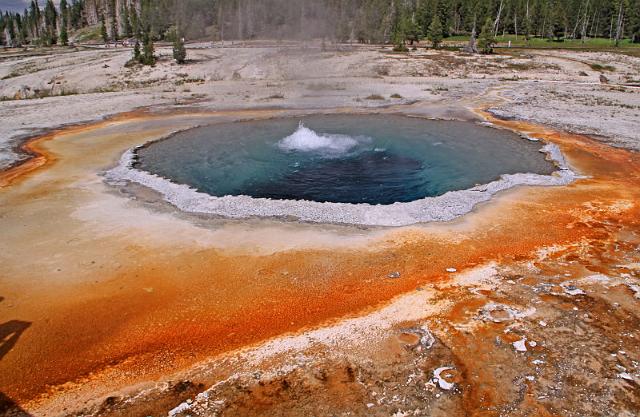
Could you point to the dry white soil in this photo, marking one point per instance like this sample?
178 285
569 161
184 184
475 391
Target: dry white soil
558 88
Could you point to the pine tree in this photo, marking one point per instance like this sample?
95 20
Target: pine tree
634 21
413 30
557 24
398 29
148 57
64 12
35 15
125 22
3 24
435 31
23 34
51 23
137 57
10 29
114 21
64 36
486 41
179 51
135 21
103 30
77 9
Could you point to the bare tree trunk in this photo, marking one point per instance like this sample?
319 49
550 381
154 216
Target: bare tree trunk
585 22
575 28
221 22
239 16
619 25
249 17
497 21
528 23
611 29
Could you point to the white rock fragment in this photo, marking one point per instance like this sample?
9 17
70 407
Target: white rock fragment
202 396
520 345
499 313
530 378
537 362
442 383
533 343
625 375
452 270
542 323
426 339
572 290
596 279
179 409
636 290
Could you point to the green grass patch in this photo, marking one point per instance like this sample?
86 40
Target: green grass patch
521 42
602 68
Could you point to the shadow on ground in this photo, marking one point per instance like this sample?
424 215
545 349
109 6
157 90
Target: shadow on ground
10 332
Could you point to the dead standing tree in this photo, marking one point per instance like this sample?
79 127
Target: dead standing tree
619 23
496 24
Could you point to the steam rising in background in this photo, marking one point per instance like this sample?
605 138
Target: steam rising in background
369 20
253 19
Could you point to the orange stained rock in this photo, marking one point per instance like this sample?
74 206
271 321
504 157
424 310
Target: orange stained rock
163 311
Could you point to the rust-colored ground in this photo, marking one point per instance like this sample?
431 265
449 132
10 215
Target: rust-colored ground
121 300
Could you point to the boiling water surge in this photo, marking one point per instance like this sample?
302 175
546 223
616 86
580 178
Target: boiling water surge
327 145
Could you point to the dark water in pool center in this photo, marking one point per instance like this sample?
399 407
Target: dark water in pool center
375 159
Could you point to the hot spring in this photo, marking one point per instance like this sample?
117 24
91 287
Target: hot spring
359 169
341 159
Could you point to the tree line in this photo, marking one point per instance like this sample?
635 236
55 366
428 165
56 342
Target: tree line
365 21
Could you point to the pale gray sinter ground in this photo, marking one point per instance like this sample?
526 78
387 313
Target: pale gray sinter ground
90 84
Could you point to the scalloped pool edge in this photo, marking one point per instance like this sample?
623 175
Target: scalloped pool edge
430 209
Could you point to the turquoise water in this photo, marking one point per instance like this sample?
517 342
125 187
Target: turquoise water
375 159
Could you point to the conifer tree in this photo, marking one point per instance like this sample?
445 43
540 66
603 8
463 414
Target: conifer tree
64 35
51 23
634 21
179 51
435 31
413 31
148 57
22 34
10 29
399 33
135 21
486 41
77 9
35 15
137 57
114 21
64 13
103 30
125 25
3 24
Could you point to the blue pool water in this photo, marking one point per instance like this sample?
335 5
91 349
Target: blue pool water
375 159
